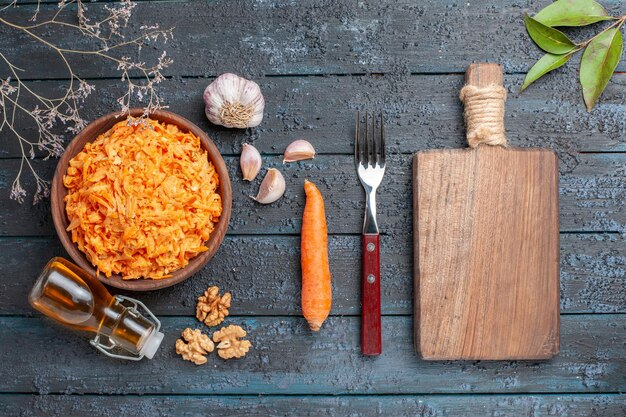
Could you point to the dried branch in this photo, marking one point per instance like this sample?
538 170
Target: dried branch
107 35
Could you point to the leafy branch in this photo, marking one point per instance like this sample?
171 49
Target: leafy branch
602 52
109 44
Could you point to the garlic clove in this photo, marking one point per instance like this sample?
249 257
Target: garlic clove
272 187
298 150
250 162
233 101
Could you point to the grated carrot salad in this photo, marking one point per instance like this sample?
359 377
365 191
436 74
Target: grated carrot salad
142 199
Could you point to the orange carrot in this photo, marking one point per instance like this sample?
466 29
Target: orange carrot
316 291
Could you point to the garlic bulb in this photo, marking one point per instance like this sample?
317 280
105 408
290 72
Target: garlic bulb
272 188
298 151
233 101
250 162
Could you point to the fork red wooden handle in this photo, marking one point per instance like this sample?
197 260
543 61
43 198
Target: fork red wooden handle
370 312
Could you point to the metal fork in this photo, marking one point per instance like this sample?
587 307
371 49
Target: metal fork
369 158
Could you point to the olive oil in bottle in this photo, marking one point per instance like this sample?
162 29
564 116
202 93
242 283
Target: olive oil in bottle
69 295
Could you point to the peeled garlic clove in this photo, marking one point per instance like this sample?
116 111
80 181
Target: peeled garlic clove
272 188
298 151
250 162
233 101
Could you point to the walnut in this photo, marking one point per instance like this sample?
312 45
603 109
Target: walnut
197 346
212 308
229 343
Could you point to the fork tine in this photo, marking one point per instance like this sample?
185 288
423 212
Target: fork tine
357 151
382 139
366 158
374 156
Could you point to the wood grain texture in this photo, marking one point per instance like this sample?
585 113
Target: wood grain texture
593 275
396 56
487 254
550 114
593 197
585 405
312 37
486 242
286 357
484 74
371 343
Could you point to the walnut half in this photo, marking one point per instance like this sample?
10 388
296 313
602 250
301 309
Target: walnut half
212 308
229 343
197 346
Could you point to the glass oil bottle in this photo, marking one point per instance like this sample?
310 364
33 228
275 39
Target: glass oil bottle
69 295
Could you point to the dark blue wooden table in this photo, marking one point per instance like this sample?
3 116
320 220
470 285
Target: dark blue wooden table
317 63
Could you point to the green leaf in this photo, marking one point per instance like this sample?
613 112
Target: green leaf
549 39
572 13
598 63
546 64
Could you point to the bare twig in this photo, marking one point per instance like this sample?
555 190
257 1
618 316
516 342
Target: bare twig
108 37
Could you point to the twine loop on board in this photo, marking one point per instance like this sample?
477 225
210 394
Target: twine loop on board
484 114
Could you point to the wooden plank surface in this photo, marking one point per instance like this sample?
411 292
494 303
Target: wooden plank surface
422 112
402 57
263 406
313 37
592 197
287 358
265 281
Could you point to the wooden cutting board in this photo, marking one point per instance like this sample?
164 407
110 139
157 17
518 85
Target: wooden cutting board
486 246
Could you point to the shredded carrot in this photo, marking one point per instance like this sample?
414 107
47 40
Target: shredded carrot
316 289
142 199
